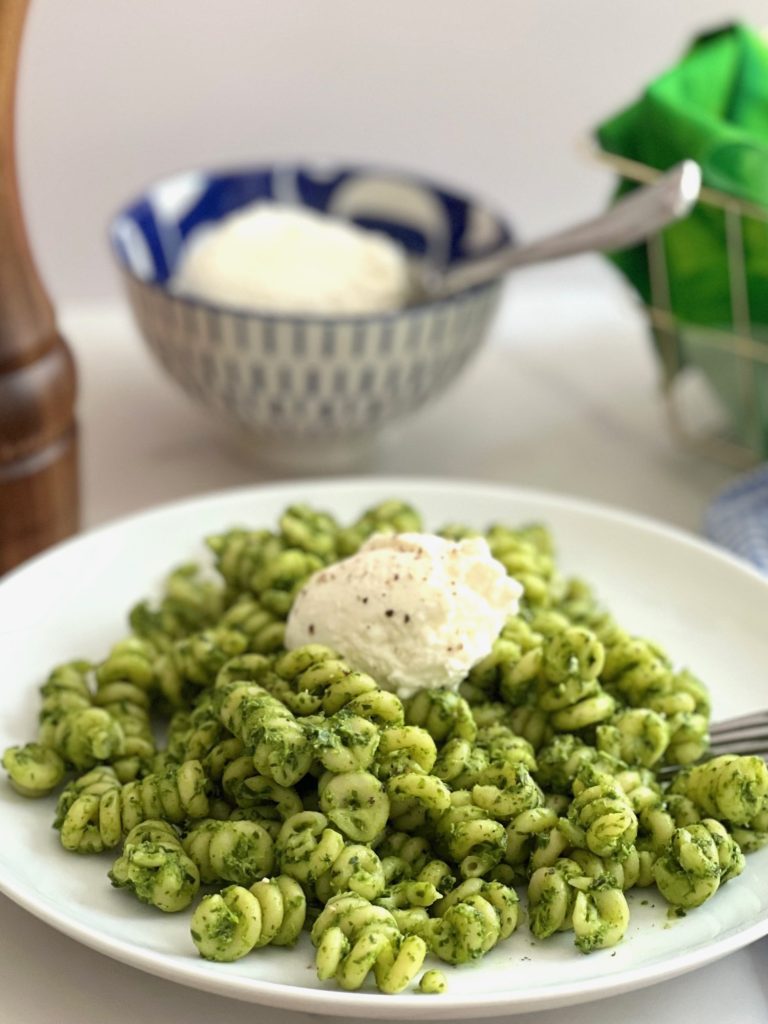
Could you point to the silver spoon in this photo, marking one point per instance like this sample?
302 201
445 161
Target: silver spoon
632 219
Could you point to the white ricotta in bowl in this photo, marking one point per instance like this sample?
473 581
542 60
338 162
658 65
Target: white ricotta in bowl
269 257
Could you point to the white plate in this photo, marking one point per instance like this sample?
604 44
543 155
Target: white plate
708 610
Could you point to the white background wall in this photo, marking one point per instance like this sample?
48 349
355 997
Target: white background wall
494 95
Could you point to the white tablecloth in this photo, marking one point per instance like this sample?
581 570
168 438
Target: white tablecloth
563 398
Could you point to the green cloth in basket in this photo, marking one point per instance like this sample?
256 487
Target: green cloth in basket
712 107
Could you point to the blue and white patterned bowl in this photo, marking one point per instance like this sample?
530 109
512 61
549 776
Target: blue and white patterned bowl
308 392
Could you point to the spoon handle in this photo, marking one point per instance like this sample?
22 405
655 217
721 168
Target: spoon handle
632 219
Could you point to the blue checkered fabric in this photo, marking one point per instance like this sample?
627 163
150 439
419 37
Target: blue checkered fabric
738 518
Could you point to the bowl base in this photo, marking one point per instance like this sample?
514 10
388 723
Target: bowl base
308 456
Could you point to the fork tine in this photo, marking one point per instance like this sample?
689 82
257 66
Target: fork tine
750 732
738 722
745 745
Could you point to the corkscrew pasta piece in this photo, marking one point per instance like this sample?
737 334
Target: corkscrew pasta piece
600 915
689 871
600 817
354 938
390 516
194 661
560 760
220 756
472 919
192 735
249 790
579 604
635 669
263 630
416 799
689 737
177 794
314 679
131 660
307 847
551 897
191 601
403 749
154 866
414 851
124 684
547 846
343 742
755 835
65 690
81 734
239 553
279 745
443 713
460 764
96 811
569 690
228 925
729 788
483 682
230 851
511 668
527 831
638 784
277 582
33 770
625 872
245 668
503 745
418 890
657 821
507 791
88 737
526 555
88 815
635 735
356 803
308 530
469 837
531 724
357 869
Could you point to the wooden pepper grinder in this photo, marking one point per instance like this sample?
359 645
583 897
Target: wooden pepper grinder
38 433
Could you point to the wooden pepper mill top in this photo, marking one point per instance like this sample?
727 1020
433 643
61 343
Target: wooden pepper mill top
38 435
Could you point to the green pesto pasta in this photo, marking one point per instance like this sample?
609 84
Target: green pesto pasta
304 795
34 770
154 866
354 938
433 983
230 851
228 925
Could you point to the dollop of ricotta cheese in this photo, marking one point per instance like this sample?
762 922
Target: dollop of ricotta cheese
412 610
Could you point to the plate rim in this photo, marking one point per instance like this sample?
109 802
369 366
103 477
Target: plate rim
375 1005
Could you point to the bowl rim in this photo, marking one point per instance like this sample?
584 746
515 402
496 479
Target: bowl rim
420 308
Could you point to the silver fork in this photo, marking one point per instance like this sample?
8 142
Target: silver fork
743 734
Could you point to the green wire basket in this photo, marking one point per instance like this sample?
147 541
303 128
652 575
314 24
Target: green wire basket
730 359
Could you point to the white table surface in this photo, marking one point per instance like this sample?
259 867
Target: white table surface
563 397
